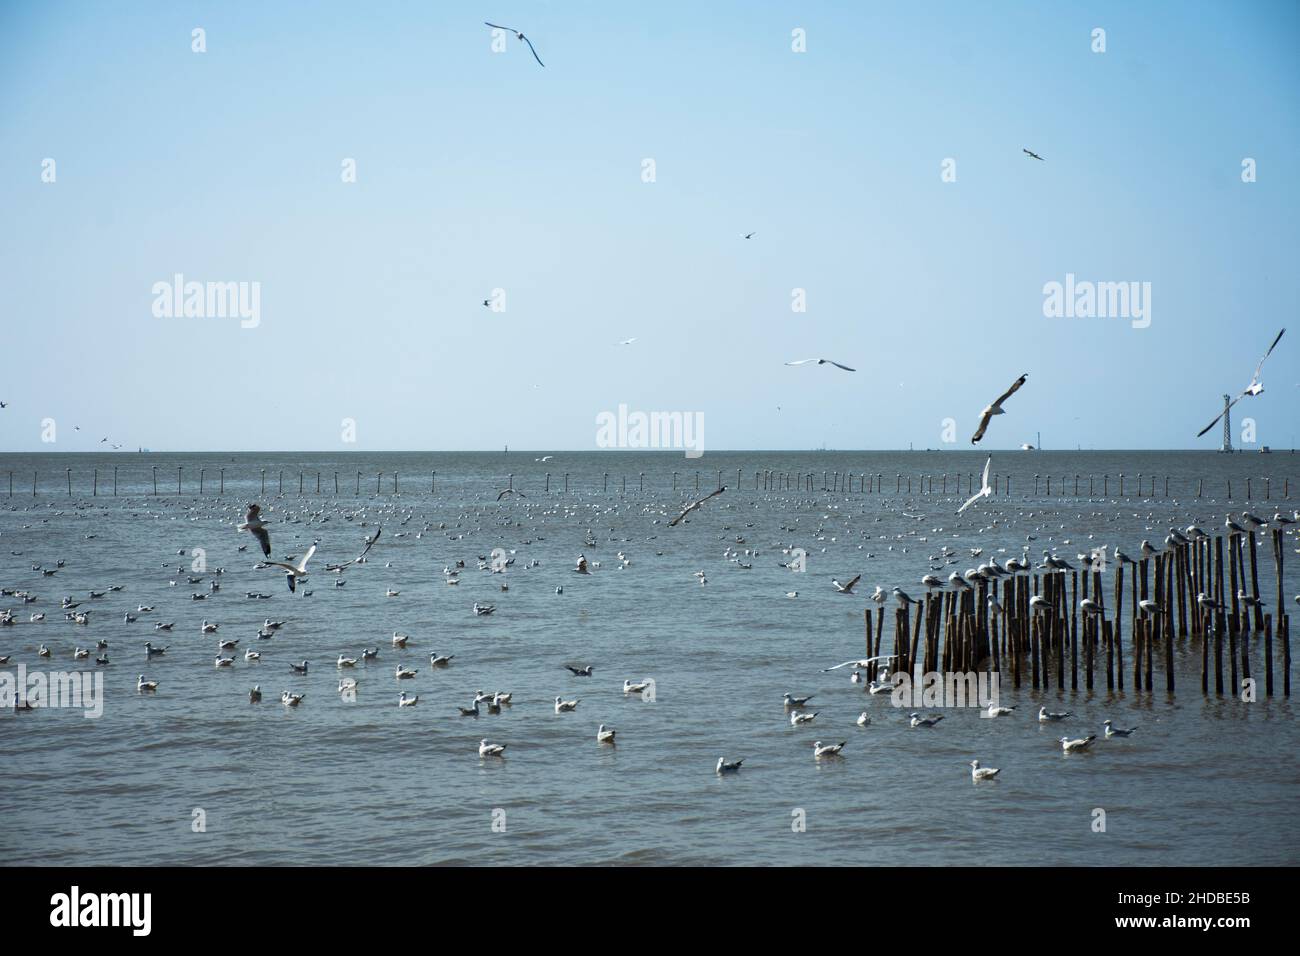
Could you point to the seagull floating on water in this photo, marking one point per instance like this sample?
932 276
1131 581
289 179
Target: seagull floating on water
1112 731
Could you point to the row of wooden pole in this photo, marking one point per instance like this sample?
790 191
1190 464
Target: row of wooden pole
766 480
954 631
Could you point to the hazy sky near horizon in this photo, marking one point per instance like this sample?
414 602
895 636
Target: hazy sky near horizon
478 171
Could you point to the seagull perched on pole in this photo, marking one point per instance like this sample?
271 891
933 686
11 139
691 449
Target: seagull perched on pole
693 505
518 36
904 598
1254 388
996 409
985 488
821 361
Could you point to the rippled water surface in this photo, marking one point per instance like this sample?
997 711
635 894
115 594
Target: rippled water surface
1203 781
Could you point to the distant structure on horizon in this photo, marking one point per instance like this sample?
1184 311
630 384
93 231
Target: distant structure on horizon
1227 424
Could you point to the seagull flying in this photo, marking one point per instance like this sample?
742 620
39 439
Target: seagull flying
821 361
1254 388
1032 155
985 488
861 662
292 571
370 541
693 505
253 522
995 409
519 36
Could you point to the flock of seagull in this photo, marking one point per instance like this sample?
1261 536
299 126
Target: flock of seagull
296 571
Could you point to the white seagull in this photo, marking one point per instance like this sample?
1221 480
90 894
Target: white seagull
1112 731
1254 388
1071 746
985 488
294 571
253 522
919 721
982 773
860 662
821 361
995 409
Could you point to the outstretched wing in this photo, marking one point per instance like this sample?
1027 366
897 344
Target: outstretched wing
302 565
838 365
264 539
970 501
1267 354
988 464
497 26
370 543
1015 386
856 579
535 56
695 504
801 362
1219 416
984 424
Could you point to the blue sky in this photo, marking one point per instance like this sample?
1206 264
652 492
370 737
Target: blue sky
478 171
